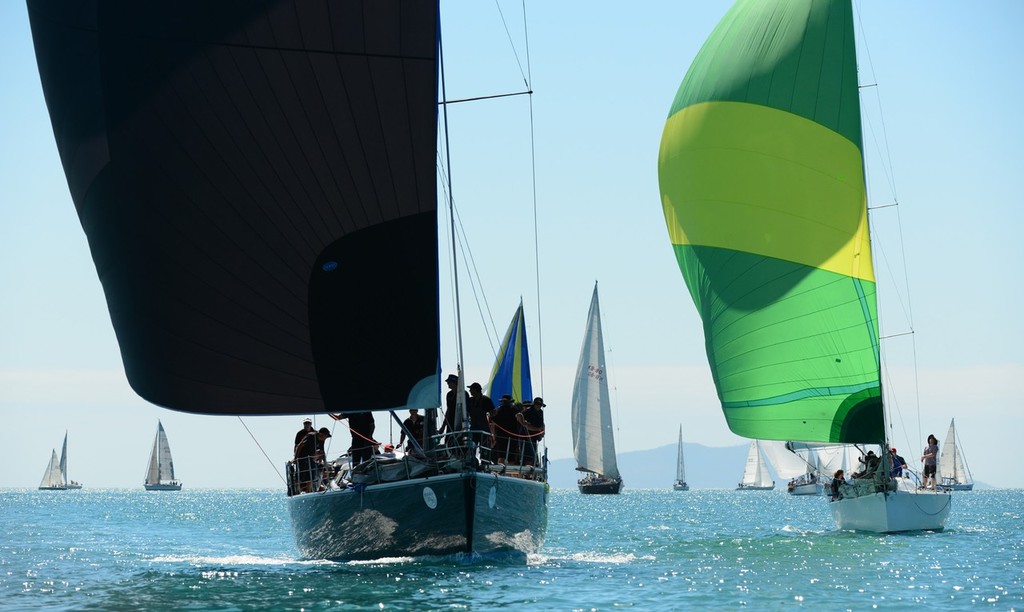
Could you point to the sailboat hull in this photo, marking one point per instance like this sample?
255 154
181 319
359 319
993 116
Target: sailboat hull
893 512
604 487
680 486
810 488
744 487
468 513
163 487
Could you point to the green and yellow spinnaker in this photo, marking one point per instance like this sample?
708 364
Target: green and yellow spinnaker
762 183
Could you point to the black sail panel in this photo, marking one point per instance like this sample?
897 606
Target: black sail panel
257 184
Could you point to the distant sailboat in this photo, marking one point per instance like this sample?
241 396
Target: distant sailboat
593 442
56 476
755 473
761 170
680 483
160 472
800 470
953 465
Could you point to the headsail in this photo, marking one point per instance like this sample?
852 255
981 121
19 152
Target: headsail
762 182
52 478
786 463
593 439
257 183
511 372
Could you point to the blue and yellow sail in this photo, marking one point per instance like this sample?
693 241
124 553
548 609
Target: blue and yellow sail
511 372
761 171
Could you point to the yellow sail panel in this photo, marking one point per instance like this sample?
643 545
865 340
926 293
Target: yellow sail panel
759 180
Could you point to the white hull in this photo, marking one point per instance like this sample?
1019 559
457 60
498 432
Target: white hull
893 512
680 486
172 486
810 488
744 487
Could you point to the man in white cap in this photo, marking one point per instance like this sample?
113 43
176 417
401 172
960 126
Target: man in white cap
307 427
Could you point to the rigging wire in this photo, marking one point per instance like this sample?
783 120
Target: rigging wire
458 234
259 446
885 154
533 179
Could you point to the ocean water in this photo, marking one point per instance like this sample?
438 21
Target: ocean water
645 549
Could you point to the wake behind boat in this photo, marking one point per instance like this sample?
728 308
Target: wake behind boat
593 440
56 476
765 203
260 196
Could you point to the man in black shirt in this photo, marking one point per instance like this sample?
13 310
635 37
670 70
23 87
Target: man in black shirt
532 421
309 455
505 431
415 426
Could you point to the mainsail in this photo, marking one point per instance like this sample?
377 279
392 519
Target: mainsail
762 182
511 372
64 461
593 440
257 183
680 467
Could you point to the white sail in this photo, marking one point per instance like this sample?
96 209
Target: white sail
52 478
785 462
64 460
755 473
161 466
952 465
592 439
827 458
680 468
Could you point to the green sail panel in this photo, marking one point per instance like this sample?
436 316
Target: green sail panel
762 182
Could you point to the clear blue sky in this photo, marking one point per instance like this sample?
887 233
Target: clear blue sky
604 73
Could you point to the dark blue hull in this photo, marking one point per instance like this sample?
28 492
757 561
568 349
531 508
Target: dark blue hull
470 512
600 487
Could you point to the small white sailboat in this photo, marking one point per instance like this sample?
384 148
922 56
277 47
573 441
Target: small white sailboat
755 473
799 468
953 470
56 476
680 483
593 442
160 471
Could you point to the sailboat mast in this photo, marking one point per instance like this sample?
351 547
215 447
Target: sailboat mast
460 396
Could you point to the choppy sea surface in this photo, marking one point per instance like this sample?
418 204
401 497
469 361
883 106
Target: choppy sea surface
648 549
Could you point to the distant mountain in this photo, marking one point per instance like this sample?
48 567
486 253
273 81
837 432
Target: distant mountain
707 467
